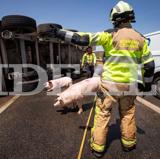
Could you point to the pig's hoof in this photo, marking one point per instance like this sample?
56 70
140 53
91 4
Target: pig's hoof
80 112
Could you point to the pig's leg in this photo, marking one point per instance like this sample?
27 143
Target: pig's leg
50 86
80 111
79 103
74 105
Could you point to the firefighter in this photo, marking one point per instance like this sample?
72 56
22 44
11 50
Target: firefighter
89 61
128 61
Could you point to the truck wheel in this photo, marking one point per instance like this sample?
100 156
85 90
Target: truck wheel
19 24
28 86
29 81
157 83
46 29
73 30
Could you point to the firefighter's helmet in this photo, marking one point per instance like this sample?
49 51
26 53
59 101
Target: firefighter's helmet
122 12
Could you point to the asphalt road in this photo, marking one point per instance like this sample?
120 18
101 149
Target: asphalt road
32 129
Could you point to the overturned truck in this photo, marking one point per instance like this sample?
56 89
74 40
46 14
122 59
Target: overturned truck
23 42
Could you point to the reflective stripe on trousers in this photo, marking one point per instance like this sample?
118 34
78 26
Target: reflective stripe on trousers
102 117
128 142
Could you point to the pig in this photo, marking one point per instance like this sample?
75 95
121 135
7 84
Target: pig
77 92
58 83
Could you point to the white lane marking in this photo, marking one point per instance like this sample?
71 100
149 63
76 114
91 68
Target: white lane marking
7 104
148 104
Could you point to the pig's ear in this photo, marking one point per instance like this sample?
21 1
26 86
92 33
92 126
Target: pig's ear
56 104
59 98
59 102
50 84
45 84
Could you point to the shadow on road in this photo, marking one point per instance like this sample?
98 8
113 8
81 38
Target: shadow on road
74 109
66 110
87 106
115 133
84 127
140 131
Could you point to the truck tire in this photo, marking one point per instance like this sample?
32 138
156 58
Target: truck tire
0 24
46 29
157 83
19 24
29 81
73 30
28 86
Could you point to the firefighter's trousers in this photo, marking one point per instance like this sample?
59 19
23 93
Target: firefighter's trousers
103 107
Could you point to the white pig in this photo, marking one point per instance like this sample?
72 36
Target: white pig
58 83
77 92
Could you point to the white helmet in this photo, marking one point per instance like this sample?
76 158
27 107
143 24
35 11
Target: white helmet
122 11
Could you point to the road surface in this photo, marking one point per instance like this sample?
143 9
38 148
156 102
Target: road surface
31 128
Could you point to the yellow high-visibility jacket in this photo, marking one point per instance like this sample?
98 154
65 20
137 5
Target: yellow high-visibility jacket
89 59
125 52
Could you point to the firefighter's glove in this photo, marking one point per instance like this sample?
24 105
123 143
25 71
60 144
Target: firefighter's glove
144 88
101 95
148 87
